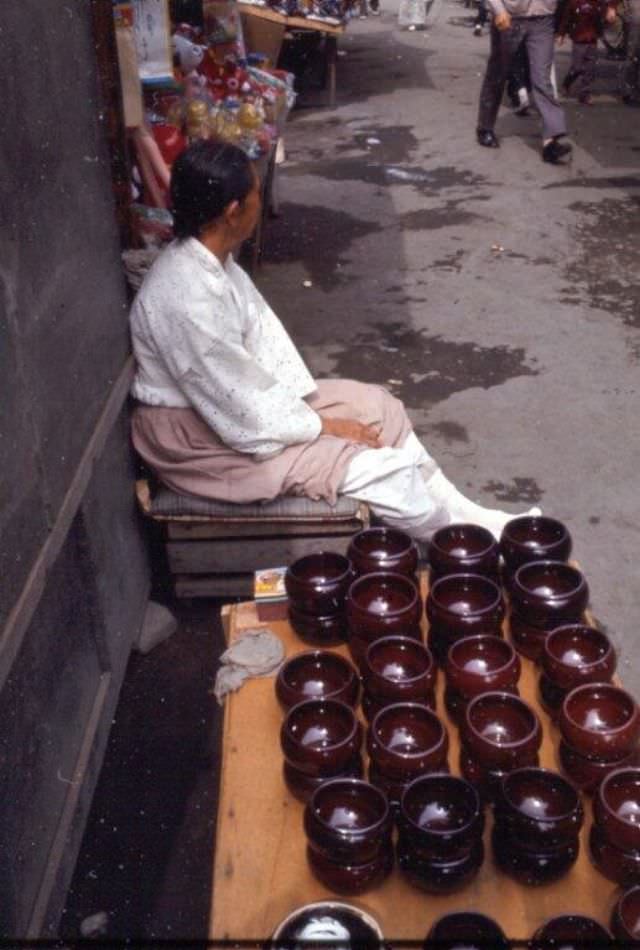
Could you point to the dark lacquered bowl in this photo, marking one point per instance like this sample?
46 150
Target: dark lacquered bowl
379 605
466 604
317 674
406 740
616 808
545 592
528 639
372 706
440 817
501 730
466 929
600 721
348 821
532 867
575 654
320 736
534 538
481 664
455 703
302 786
332 919
395 788
439 877
383 549
398 669
617 865
318 583
586 774
351 878
540 808
463 549
571 932
318 630
486 780
625 919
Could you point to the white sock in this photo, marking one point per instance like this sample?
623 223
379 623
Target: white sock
444 494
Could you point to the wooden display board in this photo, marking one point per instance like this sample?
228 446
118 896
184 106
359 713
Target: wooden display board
261 873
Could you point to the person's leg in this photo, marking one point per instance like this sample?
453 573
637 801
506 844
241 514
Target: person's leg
588 71
574 68
504 45
630 69
539 37
406 488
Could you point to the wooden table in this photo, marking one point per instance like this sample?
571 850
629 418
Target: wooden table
261 873
264 31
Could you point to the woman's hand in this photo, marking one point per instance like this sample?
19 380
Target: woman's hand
352 431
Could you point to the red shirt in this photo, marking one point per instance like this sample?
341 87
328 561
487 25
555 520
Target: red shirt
583 20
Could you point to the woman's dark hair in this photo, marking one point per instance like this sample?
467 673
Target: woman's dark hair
205 178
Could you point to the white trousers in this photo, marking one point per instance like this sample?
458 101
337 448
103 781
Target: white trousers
407 490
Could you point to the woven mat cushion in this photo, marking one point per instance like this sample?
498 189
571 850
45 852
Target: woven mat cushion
168 504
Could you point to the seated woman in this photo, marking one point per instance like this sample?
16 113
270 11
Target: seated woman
226 408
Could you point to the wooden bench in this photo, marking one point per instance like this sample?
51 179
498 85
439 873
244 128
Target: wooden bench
213 548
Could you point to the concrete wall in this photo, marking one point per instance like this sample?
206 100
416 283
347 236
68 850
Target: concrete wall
73 568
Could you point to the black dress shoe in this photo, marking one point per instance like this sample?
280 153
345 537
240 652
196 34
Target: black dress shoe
555 150
487 137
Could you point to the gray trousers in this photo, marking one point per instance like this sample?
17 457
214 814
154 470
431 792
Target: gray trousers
630 70
537 34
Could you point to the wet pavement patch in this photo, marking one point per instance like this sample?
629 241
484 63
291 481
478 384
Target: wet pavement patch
524 490
607 270
317 236
450 431
445 216
421 369
428 181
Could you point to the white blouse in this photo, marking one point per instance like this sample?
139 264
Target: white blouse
203 336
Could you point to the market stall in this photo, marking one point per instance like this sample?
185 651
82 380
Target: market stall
255 806
182 81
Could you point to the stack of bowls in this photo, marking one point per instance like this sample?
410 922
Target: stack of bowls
538 816
405 741
532 538
348 824
317 587
381 605
625 919
615 834
466 930
317 674
463 549
383 549
440 825
572 655
499 733
462 605
397 670
600 727
332 923
544 595
571 932
320 739
477 665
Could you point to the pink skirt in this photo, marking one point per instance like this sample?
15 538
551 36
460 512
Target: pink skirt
188 457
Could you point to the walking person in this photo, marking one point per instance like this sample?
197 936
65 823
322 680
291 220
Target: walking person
583 21
630 69
530 23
